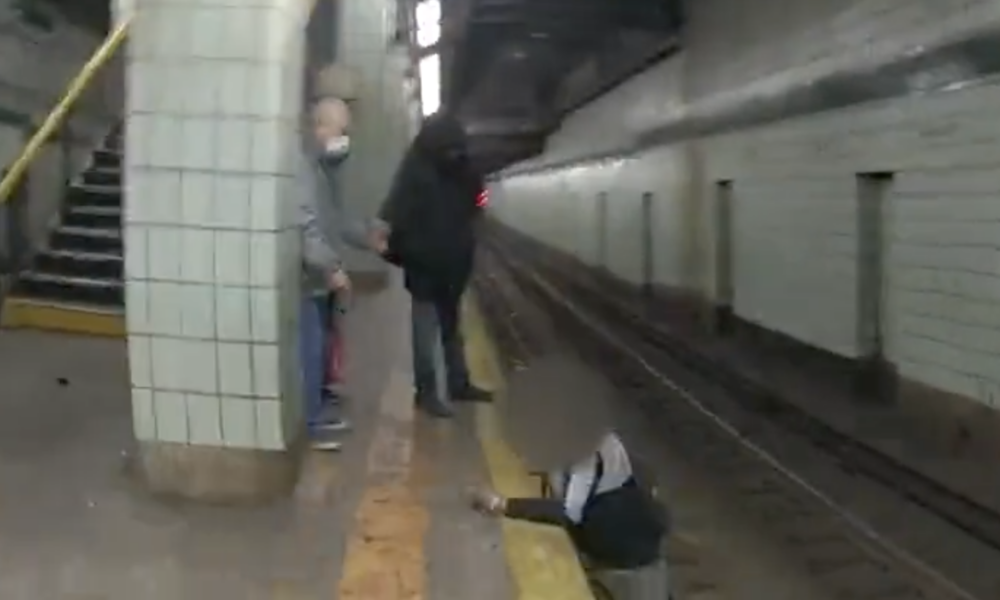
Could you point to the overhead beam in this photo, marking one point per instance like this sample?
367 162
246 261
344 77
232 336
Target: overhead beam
610 71
546 12
506 127
559 32
574 26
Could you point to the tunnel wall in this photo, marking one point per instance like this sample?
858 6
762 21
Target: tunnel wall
871 227
36 66
35 69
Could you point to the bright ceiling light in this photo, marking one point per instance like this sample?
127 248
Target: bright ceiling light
428 14
430 84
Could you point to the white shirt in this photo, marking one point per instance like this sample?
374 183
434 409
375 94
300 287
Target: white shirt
617 469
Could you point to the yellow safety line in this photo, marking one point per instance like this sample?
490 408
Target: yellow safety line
26 313
542 559
386 557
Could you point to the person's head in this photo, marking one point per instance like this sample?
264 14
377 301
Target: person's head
556 411
442 137
331 120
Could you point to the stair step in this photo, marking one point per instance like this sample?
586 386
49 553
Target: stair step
103 176
86 290
103 211
97 232
87 239
101 309
94 195
94 217
99 265
114 138
94 282
105 157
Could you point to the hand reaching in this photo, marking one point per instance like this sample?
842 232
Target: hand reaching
379 239
339 281
487 501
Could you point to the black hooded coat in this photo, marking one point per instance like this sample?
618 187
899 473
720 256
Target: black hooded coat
432 212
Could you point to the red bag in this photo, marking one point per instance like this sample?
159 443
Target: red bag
335 354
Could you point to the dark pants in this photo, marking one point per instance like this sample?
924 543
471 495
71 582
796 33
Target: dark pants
437 344
312 347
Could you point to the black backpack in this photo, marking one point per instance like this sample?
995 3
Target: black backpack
622 528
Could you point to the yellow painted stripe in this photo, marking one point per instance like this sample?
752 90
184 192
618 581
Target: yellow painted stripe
385 552
25 313
542 559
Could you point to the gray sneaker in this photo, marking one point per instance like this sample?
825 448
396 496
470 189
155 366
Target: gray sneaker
333 425
325 445
434 406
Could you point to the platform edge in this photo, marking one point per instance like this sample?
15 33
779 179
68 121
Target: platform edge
26 313
542 560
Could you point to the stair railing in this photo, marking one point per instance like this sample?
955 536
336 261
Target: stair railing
14 189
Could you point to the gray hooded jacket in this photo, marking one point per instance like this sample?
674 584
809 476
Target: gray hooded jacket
324 225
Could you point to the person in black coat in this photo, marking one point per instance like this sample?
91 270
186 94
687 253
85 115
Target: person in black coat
430 221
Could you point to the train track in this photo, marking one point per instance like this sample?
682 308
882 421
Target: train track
522 332
762 445
969 516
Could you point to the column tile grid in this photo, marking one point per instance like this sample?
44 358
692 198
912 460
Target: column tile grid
206 181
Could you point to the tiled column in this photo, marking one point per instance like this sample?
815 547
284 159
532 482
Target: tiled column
379 115
121 9
212 255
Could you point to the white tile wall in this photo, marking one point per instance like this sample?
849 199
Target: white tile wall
794 184
36 67
212 295
738 48
797 234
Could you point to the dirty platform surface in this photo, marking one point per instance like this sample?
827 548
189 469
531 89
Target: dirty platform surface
385 518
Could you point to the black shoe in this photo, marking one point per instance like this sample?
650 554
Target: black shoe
433 407
471 393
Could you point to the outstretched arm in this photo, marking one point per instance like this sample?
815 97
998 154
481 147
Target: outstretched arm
358 232
548 511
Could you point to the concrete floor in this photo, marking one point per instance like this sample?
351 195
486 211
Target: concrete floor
385 519
74 525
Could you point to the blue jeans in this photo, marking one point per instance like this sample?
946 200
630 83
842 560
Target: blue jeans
438 352
312 355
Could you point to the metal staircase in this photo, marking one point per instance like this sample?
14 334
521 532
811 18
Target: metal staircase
76 282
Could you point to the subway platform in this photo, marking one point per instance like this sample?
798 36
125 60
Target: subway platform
386 518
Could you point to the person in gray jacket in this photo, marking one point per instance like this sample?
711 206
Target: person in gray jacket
320 210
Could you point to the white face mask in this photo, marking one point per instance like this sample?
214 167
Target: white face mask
338 146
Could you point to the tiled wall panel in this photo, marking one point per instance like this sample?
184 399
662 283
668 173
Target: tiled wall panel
212 261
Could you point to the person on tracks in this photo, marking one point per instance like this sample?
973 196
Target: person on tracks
429 222
323 274
557 417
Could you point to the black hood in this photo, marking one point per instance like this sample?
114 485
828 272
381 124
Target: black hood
442 139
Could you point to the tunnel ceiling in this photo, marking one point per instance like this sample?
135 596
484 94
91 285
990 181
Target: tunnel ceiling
513 68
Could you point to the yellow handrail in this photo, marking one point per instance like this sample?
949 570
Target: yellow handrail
55 119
